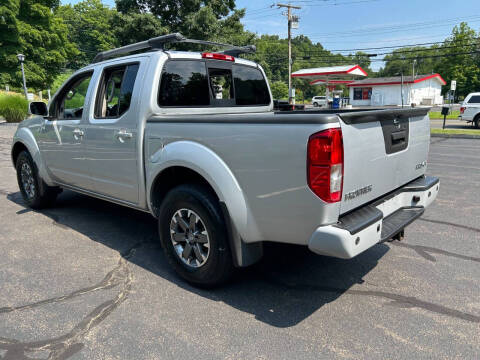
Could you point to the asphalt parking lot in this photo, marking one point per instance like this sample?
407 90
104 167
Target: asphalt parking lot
87 280
452 124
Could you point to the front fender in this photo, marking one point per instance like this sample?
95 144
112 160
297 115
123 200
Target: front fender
25 136
204 161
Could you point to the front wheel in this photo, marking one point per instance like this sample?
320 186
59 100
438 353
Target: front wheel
315 104
194 236
34 191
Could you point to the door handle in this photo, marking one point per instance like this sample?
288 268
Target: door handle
123 134
77 133
399 136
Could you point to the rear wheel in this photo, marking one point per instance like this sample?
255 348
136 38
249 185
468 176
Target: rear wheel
194 237
476 122
35 192
315 104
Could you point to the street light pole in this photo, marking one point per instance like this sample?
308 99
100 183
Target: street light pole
289 17
21 59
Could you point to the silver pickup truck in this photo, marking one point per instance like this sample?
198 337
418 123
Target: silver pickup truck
192 139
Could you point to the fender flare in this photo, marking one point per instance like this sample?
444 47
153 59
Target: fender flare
25 136
215 171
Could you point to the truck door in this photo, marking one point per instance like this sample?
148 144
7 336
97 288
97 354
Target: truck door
61 137
473 107
111 139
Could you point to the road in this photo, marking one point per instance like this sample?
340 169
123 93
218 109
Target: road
452 124
87 280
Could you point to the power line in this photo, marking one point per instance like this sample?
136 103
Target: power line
335 3
363 31
332 60
398 51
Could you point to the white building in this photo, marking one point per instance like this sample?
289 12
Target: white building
422 90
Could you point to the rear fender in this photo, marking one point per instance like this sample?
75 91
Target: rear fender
212 168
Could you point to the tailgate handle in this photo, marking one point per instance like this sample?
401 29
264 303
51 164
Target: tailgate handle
399 136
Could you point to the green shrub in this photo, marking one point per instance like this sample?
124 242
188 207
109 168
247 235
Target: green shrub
13 108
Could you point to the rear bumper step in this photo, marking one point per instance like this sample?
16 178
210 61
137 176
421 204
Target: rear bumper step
363 217
376 222
397 221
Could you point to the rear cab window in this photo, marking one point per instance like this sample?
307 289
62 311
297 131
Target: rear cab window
199 83
474 99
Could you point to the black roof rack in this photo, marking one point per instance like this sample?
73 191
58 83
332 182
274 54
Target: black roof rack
158 43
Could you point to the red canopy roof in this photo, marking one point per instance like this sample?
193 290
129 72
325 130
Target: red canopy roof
396 80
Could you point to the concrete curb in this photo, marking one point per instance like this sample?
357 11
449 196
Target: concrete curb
456 136
4 123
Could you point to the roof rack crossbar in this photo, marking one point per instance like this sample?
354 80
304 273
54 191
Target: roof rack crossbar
160 41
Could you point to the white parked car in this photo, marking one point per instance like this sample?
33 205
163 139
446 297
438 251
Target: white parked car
470 109
320 101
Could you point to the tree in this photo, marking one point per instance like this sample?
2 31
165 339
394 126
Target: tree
9 40
133 27
30 27
201 19
401 61
459 61
89 28
362 59
279 90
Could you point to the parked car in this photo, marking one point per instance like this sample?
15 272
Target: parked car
470 109
223 175
321 101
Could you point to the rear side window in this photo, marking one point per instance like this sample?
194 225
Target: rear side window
115 91
184 83
250 86
475 99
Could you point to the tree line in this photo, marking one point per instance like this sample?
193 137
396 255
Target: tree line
58 39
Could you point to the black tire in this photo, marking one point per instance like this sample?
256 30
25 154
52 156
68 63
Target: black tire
315 104
476 122
218 265
42 194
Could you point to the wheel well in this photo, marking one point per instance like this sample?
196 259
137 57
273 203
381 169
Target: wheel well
16 150
172 177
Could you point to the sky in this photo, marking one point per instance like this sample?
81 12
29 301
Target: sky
356 24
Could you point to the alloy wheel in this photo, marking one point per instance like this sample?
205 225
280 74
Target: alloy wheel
28 180
190 238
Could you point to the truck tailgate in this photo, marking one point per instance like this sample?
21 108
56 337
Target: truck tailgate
383 150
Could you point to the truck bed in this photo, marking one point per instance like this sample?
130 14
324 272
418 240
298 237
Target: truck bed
266 154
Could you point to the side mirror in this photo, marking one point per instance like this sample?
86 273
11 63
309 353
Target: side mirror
38 108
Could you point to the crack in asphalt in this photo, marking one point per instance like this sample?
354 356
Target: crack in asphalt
400 301
424 251
65 346
450 224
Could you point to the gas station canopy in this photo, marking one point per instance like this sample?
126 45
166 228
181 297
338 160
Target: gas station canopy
331 74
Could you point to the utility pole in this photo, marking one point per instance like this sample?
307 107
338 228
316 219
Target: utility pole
413 69
402 89
289 17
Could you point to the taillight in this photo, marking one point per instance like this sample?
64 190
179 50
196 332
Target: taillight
462 109
216 56
325 164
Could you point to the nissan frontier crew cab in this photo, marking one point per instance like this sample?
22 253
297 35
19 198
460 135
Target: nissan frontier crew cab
192 139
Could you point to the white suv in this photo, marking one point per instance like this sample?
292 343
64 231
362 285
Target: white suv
470 109
320 101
